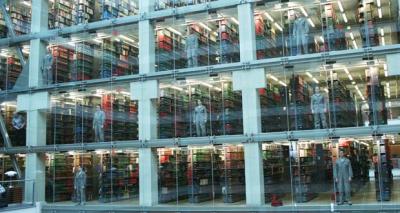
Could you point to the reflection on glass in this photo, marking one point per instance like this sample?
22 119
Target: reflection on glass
348 93
87 56
201 175
199 107
64 13
19 13
187 42
165 4
295 28
92 177
92 115
276 174
13 71
15 122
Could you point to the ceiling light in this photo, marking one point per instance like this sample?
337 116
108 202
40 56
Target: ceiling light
352 36
283 84
378 3
382 32
309 74
355 44
304 11
344 18
273 77
311 22
175 31
383 41
204 26
235 20
340 6
380 12
278 26
269 17
315 80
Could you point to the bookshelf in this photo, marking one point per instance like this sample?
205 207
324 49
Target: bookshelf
232 174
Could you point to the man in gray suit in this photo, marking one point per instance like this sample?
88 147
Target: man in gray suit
99 118
80 185
343 175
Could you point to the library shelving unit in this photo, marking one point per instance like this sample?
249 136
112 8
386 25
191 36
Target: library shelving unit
170 50
304 172
232 174
117 8
276 171
61 118
201 171
342 105
172 173
13 71
60 177
88 162
20 17
266 38
60 14
273 102
383 172
119 178
61 63
232 122
228 41
299 113
83 11
365 16
83 62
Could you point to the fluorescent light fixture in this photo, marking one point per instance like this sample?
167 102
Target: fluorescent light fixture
353 82
385 66
269 17
322 39
309 74
304 11
378 3
97 40
273 77
283 84
175 31
278 26
340 6
311 22
383 41
203 26
315 80
218 89
352 36
26 3
355 44
350 77
388 89
344 17
380 12
386 73
382 32
205 84
346 70
235 20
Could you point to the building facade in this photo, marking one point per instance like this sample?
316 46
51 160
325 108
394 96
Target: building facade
224 105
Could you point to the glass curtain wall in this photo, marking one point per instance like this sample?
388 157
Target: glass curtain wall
303 27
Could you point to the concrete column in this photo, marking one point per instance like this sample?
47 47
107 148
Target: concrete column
145 93
146 39
247 33
40 12
35 105
252 125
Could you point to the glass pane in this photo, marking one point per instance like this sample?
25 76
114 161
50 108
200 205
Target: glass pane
64 13
15 122
13 70
185 42
277 173
165 4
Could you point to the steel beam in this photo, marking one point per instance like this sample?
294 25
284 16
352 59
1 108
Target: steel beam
211 140
269 63
8 144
